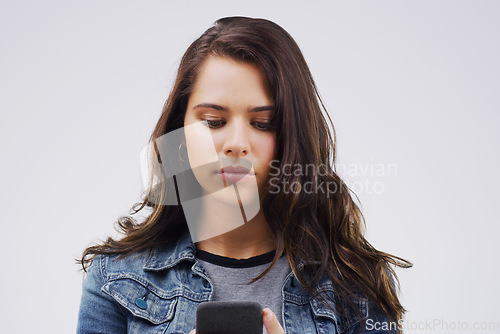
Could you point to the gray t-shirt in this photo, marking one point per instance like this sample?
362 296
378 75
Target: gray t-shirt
229 277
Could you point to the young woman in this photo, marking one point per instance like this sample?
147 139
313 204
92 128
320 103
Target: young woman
246 205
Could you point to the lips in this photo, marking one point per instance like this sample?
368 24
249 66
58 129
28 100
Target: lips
235 174
235 170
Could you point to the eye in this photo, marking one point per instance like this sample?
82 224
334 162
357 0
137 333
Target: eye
213 124
264 126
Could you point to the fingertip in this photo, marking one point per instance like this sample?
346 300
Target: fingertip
271 322
268 314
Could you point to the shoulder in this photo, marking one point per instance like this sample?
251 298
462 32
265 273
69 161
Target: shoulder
150 260
364 317
355 314
144 267
112 265
377 322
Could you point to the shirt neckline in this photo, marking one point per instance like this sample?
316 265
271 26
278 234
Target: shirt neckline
229 262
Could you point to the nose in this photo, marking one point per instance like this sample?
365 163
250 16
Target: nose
236 143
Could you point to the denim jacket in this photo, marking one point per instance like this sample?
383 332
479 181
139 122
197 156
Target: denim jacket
159 291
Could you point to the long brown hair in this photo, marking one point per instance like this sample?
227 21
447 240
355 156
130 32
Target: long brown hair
324 228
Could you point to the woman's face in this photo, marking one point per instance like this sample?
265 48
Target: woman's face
236 108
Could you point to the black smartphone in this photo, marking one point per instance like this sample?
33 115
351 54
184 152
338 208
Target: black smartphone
231 317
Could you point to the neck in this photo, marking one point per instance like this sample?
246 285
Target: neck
251 239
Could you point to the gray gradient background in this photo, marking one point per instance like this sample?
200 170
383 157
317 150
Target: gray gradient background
410 83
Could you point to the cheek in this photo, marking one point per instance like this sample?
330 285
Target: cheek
200 146
266 146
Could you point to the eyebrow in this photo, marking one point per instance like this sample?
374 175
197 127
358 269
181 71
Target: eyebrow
222 108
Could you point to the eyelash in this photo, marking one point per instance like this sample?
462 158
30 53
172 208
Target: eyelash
210 122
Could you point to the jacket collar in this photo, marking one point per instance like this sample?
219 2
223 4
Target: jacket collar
166 257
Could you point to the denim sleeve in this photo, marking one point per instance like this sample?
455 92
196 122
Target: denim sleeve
99 312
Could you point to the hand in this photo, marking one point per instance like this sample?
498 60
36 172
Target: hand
270 321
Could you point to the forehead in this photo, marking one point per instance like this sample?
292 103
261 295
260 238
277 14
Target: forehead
224 79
